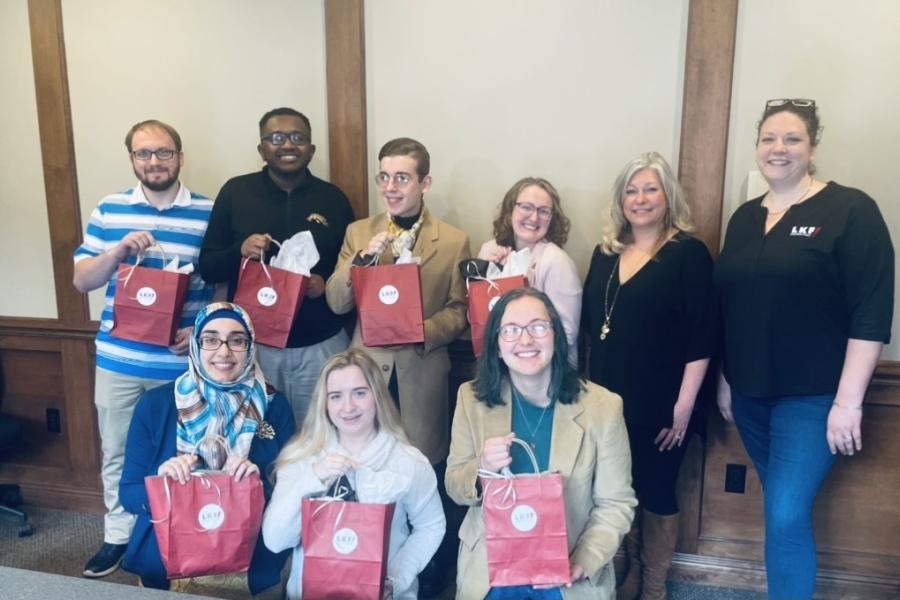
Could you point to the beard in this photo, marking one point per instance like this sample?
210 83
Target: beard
159 185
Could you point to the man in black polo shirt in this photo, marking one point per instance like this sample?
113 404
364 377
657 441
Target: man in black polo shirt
274 204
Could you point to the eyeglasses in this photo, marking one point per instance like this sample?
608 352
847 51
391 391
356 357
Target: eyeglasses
527 209
536 329
401 180
163 154
279 138
798 102
237 343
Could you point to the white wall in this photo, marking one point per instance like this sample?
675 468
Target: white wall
845 55
500 90
25 262
210 68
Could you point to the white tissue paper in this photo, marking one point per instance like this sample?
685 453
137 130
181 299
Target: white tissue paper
517 263
172 265
406 258
297 255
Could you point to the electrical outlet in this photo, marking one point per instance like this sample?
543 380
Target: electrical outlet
54 422
735 478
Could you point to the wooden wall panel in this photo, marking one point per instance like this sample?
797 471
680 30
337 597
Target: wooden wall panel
47 366
58 153
345 73
856 519
708 68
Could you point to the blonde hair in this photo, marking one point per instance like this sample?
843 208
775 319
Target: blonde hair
616 230
318 431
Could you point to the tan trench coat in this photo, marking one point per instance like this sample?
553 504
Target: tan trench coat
589 448
421 369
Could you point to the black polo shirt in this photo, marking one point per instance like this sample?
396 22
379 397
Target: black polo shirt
790 299
254 204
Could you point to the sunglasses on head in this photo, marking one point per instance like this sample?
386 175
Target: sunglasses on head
798 102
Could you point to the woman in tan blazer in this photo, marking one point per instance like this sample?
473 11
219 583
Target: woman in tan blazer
527 389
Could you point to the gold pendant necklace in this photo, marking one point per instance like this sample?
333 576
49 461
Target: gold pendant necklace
607 307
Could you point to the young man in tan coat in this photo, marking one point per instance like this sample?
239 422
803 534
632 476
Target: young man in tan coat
416 373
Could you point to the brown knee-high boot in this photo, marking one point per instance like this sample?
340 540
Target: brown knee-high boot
630 587
660 532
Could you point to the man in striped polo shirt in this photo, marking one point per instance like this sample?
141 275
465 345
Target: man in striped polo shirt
157 212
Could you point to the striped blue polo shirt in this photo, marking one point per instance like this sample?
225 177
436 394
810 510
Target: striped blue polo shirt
179 228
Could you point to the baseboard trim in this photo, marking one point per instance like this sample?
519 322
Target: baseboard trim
751 575
63 498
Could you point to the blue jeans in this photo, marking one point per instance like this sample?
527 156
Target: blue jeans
523 592
785 438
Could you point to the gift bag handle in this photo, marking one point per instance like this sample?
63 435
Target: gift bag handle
493 285
325 501
262 261
140 257
508 491
204 480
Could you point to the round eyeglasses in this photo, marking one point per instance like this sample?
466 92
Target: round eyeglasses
528 209
537 329
237 343
401 180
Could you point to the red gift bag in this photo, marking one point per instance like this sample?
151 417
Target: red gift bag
345 549
207 526
272 297
525 528
483 295
389 303
147 304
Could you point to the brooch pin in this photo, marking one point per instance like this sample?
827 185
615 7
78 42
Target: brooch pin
265 431
317 218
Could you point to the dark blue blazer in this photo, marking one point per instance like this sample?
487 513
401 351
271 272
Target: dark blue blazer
151 442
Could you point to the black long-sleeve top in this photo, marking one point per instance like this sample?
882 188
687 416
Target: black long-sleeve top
793 297
663 318
251 204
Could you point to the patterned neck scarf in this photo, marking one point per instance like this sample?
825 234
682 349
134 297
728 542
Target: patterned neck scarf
217 419
404 239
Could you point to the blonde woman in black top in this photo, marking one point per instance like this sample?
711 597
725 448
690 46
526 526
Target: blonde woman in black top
648 317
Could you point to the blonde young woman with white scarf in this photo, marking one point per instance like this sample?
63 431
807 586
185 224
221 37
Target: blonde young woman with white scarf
352 431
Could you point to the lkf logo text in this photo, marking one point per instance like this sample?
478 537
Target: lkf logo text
808 231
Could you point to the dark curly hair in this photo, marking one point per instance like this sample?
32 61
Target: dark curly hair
557 232
565 383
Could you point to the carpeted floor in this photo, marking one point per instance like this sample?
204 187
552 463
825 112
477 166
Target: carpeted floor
64 540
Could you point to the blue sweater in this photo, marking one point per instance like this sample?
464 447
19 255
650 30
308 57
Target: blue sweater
151 442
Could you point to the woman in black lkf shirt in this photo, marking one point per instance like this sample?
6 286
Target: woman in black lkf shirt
806 282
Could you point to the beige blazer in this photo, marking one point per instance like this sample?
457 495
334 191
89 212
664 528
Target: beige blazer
589 447
422 369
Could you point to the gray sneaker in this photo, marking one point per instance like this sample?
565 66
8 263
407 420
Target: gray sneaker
107 560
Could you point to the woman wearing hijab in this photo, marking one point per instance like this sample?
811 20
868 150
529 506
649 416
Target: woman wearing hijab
219 415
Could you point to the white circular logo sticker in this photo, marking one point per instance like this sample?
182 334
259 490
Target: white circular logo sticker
523 518
146 296
345 540
389 294
211 516
492 302
266 296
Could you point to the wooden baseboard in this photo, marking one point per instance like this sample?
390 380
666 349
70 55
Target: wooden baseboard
751 575
62 497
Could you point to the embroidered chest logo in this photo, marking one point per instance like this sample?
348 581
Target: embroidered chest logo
807 231
317 218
